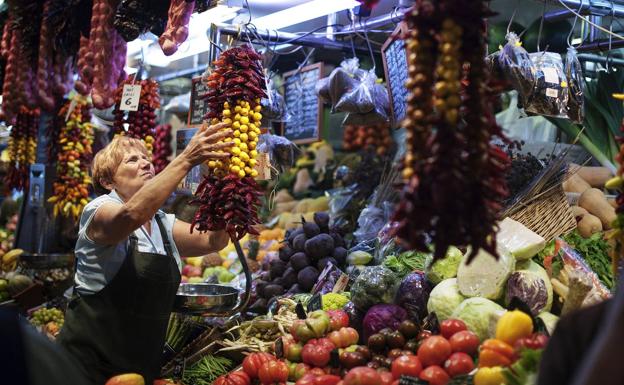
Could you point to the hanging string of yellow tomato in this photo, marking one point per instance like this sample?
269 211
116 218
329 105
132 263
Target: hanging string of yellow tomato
228 196
22 148
71 190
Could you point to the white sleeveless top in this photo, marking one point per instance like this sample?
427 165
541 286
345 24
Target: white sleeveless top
98 264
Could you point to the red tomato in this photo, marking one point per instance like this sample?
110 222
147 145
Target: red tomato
406 366
465 341
273 371
435 375
253 362
317 371
344 337
434 351
362 375
449 327
317 352
534 341
325 379
233 378
338 319
459 363
395 382
386 378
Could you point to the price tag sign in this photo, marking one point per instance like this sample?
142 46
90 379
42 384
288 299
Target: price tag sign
263 166
130 97
341 283
315 303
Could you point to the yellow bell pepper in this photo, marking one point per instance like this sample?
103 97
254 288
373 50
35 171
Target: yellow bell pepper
489 376
514 325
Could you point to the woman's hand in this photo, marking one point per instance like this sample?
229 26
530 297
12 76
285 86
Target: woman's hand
204 147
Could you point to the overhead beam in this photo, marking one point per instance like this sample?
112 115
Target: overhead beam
277 37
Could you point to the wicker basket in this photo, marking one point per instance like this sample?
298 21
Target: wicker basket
549 215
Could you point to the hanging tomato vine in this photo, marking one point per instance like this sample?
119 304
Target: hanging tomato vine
22 148
75 138
454 176
138 124
228 197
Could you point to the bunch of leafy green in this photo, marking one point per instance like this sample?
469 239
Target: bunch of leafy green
524 370
406 262
595 251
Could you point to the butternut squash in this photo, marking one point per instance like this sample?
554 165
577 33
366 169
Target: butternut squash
576 184
594 176
594 201
578 212
588 225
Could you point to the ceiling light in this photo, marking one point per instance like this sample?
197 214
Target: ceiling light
197 41
304 12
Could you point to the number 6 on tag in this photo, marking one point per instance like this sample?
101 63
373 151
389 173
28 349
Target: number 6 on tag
130 97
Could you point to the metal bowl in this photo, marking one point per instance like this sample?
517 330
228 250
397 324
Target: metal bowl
205 298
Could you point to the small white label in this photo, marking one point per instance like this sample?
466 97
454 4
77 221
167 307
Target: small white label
552 92
550 75
130 97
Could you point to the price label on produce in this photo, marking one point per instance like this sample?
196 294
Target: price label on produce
263 166
130 97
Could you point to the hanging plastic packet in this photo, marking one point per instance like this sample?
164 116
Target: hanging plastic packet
273 106
550 91
576 87
378 115
282 152
359 99
516 64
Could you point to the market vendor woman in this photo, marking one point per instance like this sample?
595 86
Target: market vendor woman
128 258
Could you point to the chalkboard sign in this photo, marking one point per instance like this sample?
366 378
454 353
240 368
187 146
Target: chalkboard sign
394 57
189 183
198 107
303 104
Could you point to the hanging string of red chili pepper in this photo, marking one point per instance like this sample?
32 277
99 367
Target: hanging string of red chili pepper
228 197
22 148
454 176
71 190
138 124
162 147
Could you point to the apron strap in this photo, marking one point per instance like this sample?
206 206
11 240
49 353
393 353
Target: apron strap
163 234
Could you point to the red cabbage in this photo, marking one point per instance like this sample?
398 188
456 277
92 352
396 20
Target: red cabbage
413 294
383 316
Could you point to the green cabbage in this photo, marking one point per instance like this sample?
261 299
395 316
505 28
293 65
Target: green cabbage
444 268
480 315
485 276
445 298
550 320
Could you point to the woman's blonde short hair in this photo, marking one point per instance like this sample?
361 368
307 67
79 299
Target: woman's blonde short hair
107 160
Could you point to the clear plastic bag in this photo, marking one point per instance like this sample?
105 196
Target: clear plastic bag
371 220
274 107
378 115
339 199
359 99
282 152
516 64
576 87
374 285
550 91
